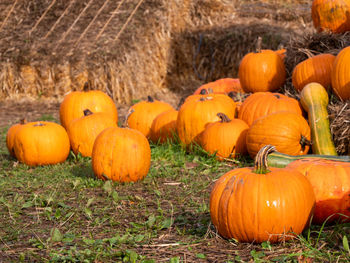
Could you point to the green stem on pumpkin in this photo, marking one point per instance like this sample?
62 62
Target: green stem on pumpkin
260 163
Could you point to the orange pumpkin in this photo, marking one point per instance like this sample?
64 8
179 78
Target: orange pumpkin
225 138
257 204
199 110
41 143
221 86
260 104
11 135
164 127
331 183
340 74
263 70
142 114
288 132
331 15
74 104
83 131
314 69
121 154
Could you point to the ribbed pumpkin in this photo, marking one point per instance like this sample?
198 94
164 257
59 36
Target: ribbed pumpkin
331 15
142 114
121 154
164 127
263 70
341 74
199 110
257 204
288 132
83 131
225 138
11 135
221 86
331 183
260 104
41 143
314 69
74 104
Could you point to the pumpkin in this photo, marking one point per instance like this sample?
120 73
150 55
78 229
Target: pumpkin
199 110
331 15
223 86
314 69
331 183
121 154
263 70
260 104
41 143
74 104
83 131
288 132
163 127
142 114
11 135
314 99
340 74
225 138
257 204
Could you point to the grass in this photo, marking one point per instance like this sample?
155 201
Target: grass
62 213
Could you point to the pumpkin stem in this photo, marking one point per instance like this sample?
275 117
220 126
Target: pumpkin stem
304 142
258 44
86 86
223 117
203 92
277 96
87 112
23 121
260 163
150 99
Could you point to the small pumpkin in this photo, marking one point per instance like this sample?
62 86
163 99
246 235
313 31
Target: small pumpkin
314 69
83 131
340 74
288 132
260 104
199 110
41 143
263 70
221 86
331 183
11 135
163 127
257 204
142 114
331 15
74 104
225 138
121 154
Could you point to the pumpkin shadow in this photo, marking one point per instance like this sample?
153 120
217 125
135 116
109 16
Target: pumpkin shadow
7 157
83 169
193 223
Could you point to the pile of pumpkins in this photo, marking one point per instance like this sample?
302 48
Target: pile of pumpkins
275 199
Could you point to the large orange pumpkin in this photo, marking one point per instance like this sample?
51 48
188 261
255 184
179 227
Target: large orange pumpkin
288 132
331 15
340 74
263 70
142 114
331 183
83 131
11 135
256 204
74 104
164 127
41 143
223 86
314 69
199 110
121 154
225 138
260 104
